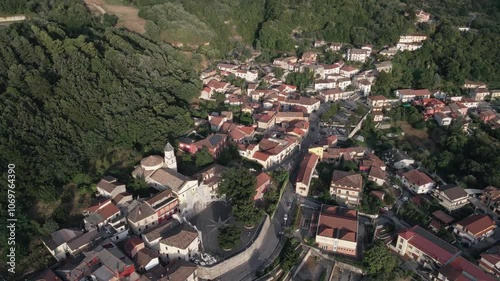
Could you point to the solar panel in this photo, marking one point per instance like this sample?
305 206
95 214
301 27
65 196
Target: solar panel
215 139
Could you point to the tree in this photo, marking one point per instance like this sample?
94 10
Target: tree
379 260
370 204
139 187
203 158
238 184
278 72
229 236
49 226
279 175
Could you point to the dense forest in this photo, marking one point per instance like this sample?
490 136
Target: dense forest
77 99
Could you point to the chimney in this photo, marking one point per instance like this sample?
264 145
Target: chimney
139 210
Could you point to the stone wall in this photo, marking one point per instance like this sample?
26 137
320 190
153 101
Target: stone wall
214 271
12 18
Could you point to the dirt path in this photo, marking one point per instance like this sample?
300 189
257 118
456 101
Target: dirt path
128 16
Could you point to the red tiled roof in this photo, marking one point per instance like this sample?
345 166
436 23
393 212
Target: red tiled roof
428 243
214 84
411 92
338 222
217 120
260 155
348 68
377 98
262 179
131 243
344 179
462 269
417 177
105 209
442 216
307 167
477 224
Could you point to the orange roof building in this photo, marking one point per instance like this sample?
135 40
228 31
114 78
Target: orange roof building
337 230
306 173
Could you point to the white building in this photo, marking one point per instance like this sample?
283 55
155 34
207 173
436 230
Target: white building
248 75
109 187
174 240
358 54
417 181
325 84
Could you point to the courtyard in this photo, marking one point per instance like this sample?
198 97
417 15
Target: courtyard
213 218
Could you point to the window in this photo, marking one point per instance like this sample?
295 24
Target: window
178 251
400 247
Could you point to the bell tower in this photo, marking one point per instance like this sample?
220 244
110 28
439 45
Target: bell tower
169 158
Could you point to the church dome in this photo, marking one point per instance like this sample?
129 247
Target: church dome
152 162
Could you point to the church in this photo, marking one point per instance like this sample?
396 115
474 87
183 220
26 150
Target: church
161 174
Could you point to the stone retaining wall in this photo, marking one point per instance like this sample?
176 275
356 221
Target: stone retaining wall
214 271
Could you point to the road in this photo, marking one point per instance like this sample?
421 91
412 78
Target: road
271 247
266 254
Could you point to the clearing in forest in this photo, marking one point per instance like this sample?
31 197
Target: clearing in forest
128 16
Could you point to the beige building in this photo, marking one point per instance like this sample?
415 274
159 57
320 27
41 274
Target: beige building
337 230
346 187
306 173
424 247
452 197
174 240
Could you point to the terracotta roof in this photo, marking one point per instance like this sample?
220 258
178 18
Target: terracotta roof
262 179
344 179
289 114
428 243
378 173
159 196
463 270
493 192
105 210
417 177
169 178
214 84
349 68
180 270
180 236
144 210
304 101
442 216
477 224
152 160
145 256
261 155
334 92
412 92
160 230
435 224
108 184
307 167
453 192
130 245
378 193
377 98
217 120
338 222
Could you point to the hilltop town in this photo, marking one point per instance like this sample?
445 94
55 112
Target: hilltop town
298 169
